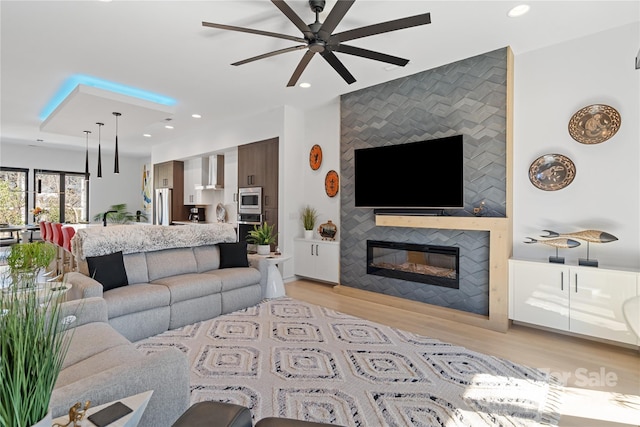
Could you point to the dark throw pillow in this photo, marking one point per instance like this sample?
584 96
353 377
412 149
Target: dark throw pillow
108 270
233 255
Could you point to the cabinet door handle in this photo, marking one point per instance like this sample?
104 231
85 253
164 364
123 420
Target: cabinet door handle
562 281
311 250
317 253
576 282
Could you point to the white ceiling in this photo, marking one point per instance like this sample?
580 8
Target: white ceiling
161 46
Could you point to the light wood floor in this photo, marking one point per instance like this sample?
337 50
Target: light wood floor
602 380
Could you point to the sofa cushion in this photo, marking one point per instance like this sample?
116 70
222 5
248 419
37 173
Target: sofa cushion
233 255
108 270
136 266
170 262
234 278
207 257
107 359
135 298
91 339
190 286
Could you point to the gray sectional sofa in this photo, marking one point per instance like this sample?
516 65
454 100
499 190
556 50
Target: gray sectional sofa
103 366
146 286
170 288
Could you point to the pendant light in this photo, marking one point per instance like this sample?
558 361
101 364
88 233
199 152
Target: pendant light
86 158
99 149
116 165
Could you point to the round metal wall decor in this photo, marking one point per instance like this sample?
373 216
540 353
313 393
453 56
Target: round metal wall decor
594 124
552 172
331 183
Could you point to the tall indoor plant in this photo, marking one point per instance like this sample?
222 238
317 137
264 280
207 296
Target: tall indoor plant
32 346
262 236
309 216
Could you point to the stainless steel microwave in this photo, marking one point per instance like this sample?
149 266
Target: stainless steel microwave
250 200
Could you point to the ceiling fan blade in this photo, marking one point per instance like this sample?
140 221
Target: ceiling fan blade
267 55
338 66
300 68
335 16
252 31
293 17
383 27
370 54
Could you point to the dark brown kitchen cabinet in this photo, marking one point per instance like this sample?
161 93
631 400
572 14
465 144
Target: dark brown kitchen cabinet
258 166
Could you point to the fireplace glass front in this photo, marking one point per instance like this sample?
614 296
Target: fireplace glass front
434 265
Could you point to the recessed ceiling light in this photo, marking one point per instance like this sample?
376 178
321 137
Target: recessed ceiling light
169 127
305 85
390 67
146 135
518 11
196 116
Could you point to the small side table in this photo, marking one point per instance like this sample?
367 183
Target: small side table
137 402
274 287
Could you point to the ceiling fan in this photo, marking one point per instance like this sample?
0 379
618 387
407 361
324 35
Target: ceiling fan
318 37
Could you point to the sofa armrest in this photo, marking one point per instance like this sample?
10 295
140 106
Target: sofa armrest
165 372
86 310
82 286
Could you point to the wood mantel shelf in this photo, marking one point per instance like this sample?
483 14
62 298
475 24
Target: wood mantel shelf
500 244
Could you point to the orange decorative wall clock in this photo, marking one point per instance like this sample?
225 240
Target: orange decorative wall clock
315 157
331 183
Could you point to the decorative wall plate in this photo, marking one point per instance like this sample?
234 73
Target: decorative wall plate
552 172
331 183
315 157
594 124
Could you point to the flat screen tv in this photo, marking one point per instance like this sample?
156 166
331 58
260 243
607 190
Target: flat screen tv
416 175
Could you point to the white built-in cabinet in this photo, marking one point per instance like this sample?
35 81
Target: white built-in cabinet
317 259
578 299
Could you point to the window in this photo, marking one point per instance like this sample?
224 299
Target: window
13 195
62 196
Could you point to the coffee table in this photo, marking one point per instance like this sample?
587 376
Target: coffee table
138 403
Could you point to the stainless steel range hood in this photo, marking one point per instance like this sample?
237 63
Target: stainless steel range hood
215 177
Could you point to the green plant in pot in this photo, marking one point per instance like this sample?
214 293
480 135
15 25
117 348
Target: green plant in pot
262 236
27 260
309 216
33 345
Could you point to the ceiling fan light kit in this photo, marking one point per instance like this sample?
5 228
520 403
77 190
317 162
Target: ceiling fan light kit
318 37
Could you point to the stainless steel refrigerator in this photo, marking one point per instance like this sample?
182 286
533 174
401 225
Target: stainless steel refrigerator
162 211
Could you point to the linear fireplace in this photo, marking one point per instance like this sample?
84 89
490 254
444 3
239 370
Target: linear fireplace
434 265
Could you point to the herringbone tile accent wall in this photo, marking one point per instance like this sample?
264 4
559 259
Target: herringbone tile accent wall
467 97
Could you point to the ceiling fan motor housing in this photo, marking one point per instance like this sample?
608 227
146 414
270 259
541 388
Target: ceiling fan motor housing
316 5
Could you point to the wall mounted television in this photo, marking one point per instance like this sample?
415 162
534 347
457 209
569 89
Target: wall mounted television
424 175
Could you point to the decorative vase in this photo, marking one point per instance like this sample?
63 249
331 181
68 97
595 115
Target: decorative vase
47 421
264 249
308 234
328 230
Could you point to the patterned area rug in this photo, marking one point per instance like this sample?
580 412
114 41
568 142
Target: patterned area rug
293 359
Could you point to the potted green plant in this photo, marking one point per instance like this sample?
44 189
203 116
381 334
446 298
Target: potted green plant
262 236
33 344
27 260
309 216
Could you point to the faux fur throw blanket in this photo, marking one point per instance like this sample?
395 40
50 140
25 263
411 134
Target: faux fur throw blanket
95 241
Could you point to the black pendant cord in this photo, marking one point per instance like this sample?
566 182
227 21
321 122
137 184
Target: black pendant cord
86 158
99 149
116 165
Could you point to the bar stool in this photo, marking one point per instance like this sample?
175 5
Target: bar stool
67 233
48 232
58 241
43 231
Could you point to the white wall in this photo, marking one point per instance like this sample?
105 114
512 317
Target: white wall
126 187
551 84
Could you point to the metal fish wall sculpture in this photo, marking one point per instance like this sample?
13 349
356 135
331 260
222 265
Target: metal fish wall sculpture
592 236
